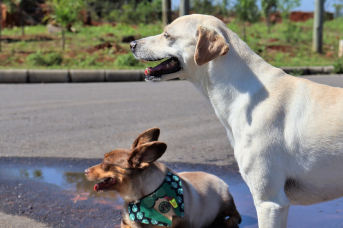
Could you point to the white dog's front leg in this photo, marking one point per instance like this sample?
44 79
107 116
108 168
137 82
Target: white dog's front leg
267 186
272 214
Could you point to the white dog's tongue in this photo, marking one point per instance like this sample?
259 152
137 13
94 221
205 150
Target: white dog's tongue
150 70
166 65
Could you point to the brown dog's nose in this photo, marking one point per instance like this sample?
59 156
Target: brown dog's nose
86 171
133 45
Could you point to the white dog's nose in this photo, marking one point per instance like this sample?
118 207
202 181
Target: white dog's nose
133 45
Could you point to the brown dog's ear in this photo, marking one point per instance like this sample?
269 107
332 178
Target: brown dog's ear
210 46
146 153
149 135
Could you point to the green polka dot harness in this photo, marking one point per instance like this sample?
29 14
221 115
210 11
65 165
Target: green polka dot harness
159 207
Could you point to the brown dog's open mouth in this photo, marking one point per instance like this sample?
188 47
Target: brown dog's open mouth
169 66
102 186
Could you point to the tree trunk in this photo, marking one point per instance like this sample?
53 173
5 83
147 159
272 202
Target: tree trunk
268 22
21 19
63 39
318 27
166 12
0 23
184 8
244 34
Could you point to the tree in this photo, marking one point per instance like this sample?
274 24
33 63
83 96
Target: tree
286 6
292 31
268 7
65 12
166 12
184 8
16 6
247 11
338 7
318 27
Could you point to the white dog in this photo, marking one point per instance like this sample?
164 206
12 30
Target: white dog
286 132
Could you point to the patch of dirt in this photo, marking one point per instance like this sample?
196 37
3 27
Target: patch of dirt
98 47
107 45
105 59
330 54
297 16
4 57
26 38
109 35
272 40
280 48
127 39
275 18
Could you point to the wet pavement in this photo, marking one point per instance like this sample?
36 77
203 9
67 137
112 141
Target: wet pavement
54 191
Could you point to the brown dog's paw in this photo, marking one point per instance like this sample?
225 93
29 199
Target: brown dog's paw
233 221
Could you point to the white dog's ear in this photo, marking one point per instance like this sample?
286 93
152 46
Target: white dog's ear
210 45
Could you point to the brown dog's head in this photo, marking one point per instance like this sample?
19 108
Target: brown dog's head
120 167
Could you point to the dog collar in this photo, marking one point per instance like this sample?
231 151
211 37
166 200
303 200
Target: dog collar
159 207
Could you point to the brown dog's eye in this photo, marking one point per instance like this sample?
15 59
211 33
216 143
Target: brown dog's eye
105 166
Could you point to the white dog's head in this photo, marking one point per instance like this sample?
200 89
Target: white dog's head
187 43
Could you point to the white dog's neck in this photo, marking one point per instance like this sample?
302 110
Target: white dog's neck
232 81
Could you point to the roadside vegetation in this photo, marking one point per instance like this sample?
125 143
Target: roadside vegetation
103 46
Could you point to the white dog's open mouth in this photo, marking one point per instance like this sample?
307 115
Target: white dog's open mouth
169 66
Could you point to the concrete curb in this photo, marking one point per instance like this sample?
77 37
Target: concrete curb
124 75
13 76
48 76
65 76
309 70
87 75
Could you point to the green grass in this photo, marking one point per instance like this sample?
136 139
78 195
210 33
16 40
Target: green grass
294 42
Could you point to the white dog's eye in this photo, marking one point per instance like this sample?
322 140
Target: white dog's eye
166 35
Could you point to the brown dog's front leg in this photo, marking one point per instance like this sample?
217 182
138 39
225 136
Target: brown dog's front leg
235 218
123 224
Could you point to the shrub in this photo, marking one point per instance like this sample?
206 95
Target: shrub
144 12
292 32
126 60
37 59
50 59
338 66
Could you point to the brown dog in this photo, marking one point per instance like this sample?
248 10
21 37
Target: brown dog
188 199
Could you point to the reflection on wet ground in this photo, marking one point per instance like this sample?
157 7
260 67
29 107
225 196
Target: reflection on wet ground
38 183
73 181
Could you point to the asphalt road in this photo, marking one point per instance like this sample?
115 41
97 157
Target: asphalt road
88 120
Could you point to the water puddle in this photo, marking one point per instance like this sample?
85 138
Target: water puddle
75 182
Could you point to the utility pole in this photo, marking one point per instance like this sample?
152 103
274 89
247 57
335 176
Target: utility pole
318 26
166 12
184 8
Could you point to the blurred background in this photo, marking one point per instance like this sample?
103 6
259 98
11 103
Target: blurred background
95 34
